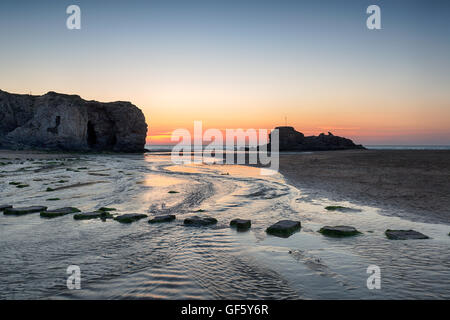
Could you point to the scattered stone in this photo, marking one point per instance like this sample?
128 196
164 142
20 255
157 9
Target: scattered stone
341 209
404 235
98 174
130 217
241 224
339 231
76 185
334 208
24 210
59 212
200 221
22 186
284 228
166 218
93 215
5 206
107 209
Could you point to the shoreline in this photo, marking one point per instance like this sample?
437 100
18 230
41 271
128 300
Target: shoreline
411 184
156 186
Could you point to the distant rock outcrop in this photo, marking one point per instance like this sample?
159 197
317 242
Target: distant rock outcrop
67 122
291 140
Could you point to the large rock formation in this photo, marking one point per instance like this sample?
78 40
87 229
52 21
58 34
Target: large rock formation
291 140
67 122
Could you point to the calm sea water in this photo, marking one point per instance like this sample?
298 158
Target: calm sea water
404 147
172 261
372 147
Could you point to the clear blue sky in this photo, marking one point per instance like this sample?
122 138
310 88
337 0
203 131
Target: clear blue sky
244 63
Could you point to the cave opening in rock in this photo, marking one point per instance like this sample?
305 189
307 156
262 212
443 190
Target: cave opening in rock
91 135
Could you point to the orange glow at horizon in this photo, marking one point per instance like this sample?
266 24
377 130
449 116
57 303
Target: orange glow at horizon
396 115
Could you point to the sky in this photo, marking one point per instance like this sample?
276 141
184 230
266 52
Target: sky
243 64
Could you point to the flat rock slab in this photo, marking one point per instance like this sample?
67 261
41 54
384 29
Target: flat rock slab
24 210
200 221
241 224
5 206
59 212
159 219
284 228
339 231
92 215
106 209
130 217
342 209
404 235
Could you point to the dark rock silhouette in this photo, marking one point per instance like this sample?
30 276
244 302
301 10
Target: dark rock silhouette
284 228
67 122
404 235
130 217
339 231
292 140
159 219
241 224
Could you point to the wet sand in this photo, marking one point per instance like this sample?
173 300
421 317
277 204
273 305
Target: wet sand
413 184
8 155
175 261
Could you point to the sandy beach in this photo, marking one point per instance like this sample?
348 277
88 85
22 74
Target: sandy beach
415 183
173 260
412 184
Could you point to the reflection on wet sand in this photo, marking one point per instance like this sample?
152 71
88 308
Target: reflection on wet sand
171 261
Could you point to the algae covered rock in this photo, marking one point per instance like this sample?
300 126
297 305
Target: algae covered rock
341 209
93 215
59 212
339 231
165 218
200 221
284 228
241 224
5 206
24 210
404 235
130 217
105 209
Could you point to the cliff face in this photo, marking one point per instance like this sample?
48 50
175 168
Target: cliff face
291 140
66 122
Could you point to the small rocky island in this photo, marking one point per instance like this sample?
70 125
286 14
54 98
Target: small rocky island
292 140
57 121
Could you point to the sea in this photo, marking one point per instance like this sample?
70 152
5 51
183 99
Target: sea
165 147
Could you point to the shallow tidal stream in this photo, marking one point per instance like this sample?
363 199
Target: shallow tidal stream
173 261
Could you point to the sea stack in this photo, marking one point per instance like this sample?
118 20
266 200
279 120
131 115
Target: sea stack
57 121
292 140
